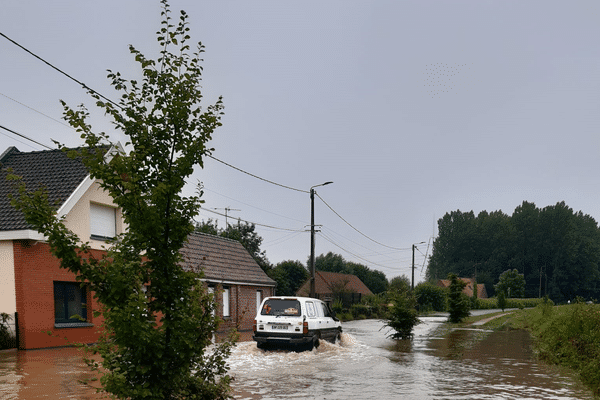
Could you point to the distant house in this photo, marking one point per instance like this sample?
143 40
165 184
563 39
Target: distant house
332 285
468 289
232 274
42 297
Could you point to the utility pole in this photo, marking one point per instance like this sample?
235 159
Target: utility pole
412 285
312 238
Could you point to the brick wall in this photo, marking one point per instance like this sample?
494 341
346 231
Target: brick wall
36 270
242 306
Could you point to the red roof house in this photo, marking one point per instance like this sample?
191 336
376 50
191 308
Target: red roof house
328 285
468 289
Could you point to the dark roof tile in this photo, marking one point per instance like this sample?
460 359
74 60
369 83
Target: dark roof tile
52 169
222 259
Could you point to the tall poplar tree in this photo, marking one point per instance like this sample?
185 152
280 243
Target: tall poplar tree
158 318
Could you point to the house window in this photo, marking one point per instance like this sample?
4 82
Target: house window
103 222
226 312
70 304
258 300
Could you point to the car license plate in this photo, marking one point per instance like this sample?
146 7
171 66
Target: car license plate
279 327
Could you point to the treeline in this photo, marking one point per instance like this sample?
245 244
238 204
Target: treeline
556 249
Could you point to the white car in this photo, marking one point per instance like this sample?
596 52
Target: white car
296 321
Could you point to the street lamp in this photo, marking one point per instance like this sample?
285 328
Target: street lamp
312 238
412 286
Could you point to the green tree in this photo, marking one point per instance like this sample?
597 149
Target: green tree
374 280
154 341
556 249
511 283
430 297
501 300
402 316
399 284
290 276
458 302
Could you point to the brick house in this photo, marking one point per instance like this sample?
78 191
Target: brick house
230 272
34 288
330 285
32 285
468 289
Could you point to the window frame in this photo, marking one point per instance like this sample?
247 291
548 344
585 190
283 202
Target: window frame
82 292
226 297
100 228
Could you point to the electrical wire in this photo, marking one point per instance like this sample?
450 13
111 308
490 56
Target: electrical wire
350 225
256 176
118 105
330 240
254 223
82 84
39 112
26 137
257 208
59 70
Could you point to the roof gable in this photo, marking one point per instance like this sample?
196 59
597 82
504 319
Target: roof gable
326 281
222 260
52 169
468 289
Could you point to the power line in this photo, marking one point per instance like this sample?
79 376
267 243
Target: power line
60 70
250 205
255 223
39 112
350 225
256 176
26 137
118 105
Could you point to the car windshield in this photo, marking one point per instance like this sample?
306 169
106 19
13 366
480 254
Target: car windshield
281 307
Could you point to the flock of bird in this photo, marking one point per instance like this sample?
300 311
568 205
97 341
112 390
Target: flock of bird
442 78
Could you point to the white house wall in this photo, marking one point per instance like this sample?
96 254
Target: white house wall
77 219
8 300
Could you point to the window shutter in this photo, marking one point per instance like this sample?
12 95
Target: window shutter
102 221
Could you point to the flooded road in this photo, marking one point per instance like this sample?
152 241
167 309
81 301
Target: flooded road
367 365
364 365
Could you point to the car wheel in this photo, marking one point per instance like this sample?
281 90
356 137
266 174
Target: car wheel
261 346
309 346
338 337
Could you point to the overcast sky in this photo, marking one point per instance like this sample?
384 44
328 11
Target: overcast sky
412 108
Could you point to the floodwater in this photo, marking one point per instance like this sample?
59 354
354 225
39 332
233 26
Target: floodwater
365 364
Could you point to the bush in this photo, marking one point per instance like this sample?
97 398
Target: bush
337 306
430 297
345 316
569 335
402 316
6 339
360 309
488 304
458 302
501 300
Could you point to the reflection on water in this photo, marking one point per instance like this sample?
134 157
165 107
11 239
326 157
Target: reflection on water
47 374
365 364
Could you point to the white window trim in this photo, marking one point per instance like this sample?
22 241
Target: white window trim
226 308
